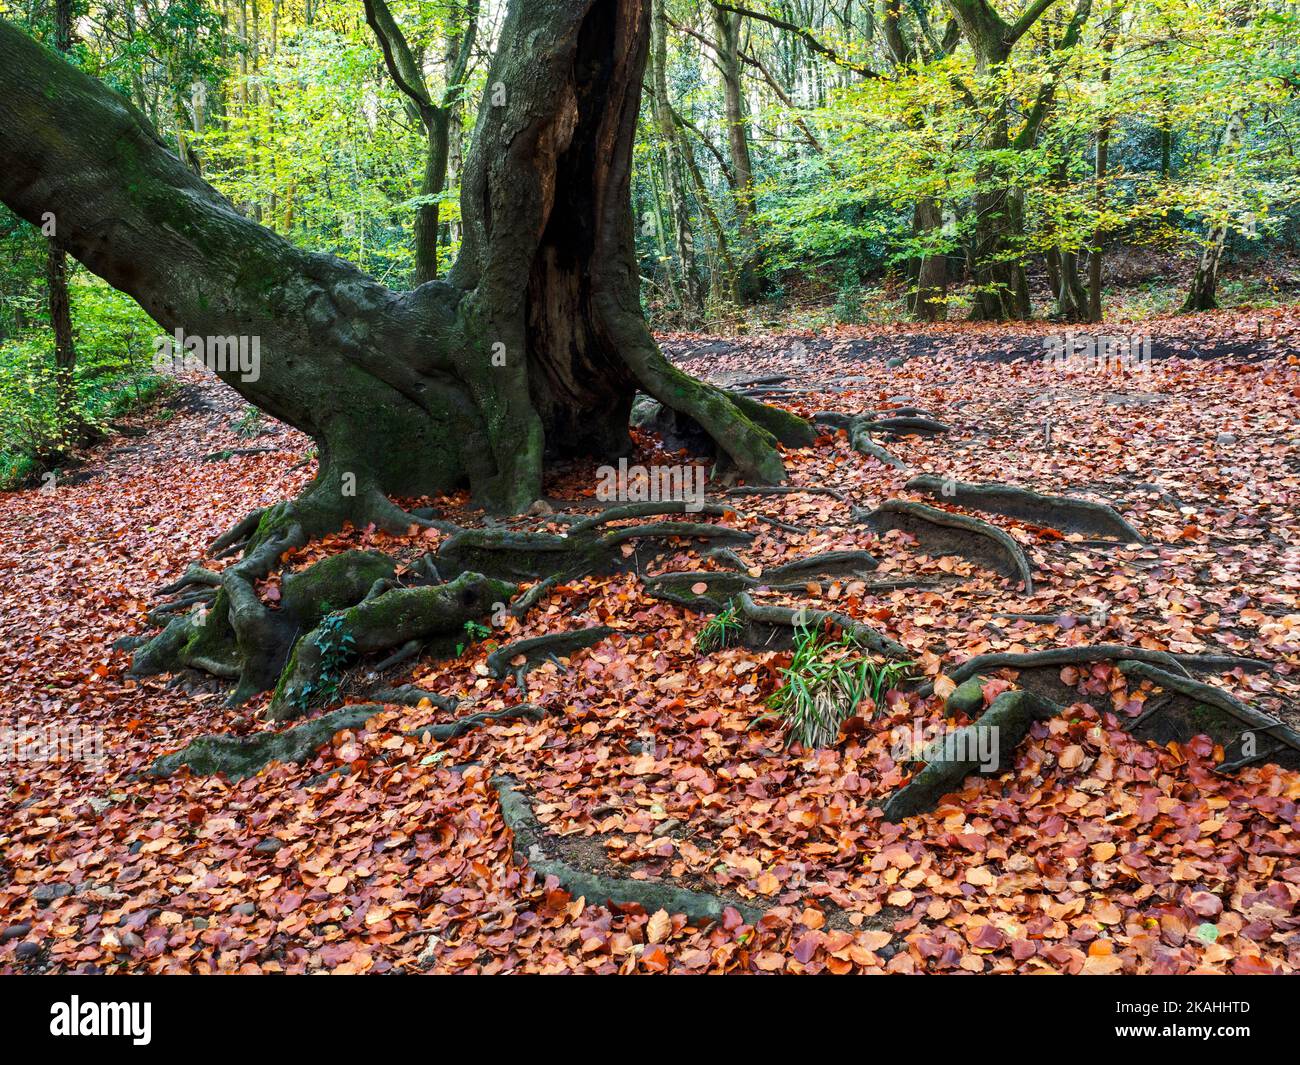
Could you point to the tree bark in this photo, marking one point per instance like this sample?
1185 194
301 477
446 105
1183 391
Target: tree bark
1100 168
1001 287
927 302
727 28
437 118
671 137
534 346
1201 296
68 422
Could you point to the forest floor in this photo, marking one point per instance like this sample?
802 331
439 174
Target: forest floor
1096 852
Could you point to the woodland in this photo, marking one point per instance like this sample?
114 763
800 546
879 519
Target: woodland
649 486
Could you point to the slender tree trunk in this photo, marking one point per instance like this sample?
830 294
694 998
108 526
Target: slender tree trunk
727 30
931 282
1202 295
434 181
671 138
67 416
1100 170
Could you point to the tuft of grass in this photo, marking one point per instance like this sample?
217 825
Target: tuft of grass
825 683
722 630
250 423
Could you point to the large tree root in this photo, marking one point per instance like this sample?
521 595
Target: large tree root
773 628
587 548
240 637
238 757
1057 512
1190 708
430 613
452 730
1246 735
986 747
722 587
540 850
1085 654
858 427
244 756
537 649
942 533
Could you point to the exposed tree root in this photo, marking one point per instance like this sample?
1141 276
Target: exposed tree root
429 613
195 575
535 846
588 547
1197 708
410 695
898 424
773 628
1056 512
237 534
942 533
451 730
244 756
721 588
955 756
1190 708
1102 652
857 426
785 489
538 649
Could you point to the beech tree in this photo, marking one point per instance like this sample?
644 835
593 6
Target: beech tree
532 348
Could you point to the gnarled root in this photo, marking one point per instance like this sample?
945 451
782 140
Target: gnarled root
429 613
722 587
1246 735
942 533
773 628
985 747
244 756
588 548
1057 512
859 428
537 649
544 853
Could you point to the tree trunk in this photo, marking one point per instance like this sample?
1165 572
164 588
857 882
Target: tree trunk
670 135
727 29
1201 296
67 417
931 281
535 344
435 180
1101 167
1071 294
1001 289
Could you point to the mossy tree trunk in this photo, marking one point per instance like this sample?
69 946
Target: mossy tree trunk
1001 288
534 345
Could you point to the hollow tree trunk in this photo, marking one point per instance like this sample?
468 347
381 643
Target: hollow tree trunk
534 345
